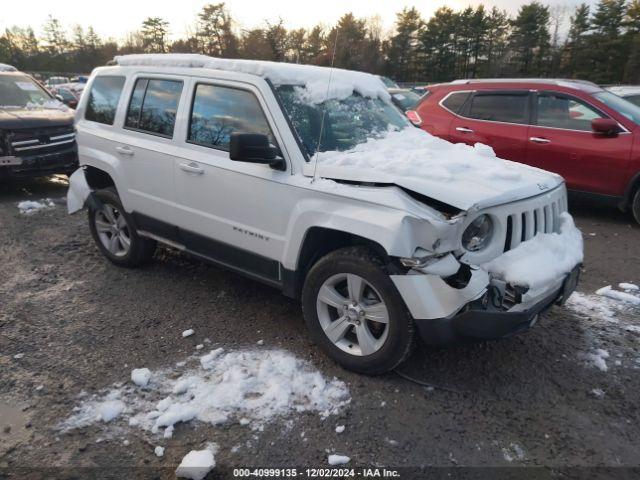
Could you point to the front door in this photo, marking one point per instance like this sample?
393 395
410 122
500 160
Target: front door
561 140
239 210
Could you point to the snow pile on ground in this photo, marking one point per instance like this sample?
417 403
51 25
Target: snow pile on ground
315 79
628 287
544 258
513 452
187 333
591 306
245 386
598 359
197 463
27 207
626 297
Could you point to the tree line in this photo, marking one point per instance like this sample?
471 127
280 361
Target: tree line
602 44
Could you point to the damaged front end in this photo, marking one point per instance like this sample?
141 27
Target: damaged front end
501 289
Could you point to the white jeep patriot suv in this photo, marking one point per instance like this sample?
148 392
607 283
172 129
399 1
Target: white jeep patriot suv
310 180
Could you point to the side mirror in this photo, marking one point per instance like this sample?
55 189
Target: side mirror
605 126
253 148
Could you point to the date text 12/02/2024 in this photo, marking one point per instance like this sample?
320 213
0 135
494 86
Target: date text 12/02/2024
316 472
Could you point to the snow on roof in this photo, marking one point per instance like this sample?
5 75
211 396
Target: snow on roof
7 68
315 79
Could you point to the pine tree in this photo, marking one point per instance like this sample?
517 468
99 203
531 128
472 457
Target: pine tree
530 40
154 33
402 47
55 36
577 42
214 32
606 46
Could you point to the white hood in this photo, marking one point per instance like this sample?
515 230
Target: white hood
456 174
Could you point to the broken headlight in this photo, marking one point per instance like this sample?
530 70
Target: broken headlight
478 234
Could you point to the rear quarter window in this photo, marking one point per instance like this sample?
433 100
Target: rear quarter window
103 99
455 101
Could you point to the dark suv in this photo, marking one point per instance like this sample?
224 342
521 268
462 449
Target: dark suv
37 135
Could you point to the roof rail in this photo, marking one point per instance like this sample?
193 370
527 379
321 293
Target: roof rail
556 81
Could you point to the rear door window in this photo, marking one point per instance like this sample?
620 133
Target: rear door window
219 111
563 111
103 99
500 107
153 106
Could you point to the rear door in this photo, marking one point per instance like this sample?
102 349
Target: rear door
561 141
146 148
498 118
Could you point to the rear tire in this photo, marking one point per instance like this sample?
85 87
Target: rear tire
354 312
114 232
635 206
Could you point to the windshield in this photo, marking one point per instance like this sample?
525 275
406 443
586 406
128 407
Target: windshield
405 100
21 91
388 82
347 122
619 104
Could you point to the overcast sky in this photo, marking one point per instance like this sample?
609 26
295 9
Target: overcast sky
114 18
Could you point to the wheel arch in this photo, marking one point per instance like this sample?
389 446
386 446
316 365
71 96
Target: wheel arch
318 242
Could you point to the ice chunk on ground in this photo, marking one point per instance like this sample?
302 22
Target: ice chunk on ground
187 333
27 207
18 356
196 464
597 392
340 429
598 359
542 259
140 376
338 459
628 286
110 410
159 451
616 295
247 386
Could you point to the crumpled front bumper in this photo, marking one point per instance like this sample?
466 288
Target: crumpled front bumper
445 315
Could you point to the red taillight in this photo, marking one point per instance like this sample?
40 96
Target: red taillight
414 117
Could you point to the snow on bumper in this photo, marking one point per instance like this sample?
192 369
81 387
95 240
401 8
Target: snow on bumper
78 192
539 268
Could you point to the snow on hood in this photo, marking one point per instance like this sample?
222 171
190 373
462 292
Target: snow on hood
7 68
315 79
457 174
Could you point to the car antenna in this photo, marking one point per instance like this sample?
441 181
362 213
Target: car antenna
324 106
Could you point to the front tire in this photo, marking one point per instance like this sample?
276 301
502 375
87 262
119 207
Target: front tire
354 312
114 232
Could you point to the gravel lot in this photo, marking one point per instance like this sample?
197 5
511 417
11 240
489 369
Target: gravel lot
77 324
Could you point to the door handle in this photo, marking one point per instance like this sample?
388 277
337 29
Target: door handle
191 167
464 130
125 151
540 140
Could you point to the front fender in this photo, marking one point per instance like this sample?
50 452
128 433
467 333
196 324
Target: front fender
397 231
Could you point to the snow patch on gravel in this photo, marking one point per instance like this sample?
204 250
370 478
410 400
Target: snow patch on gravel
625 297
245 386
28 207
598 359
513 452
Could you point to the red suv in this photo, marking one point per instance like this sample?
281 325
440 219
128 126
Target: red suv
586 134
